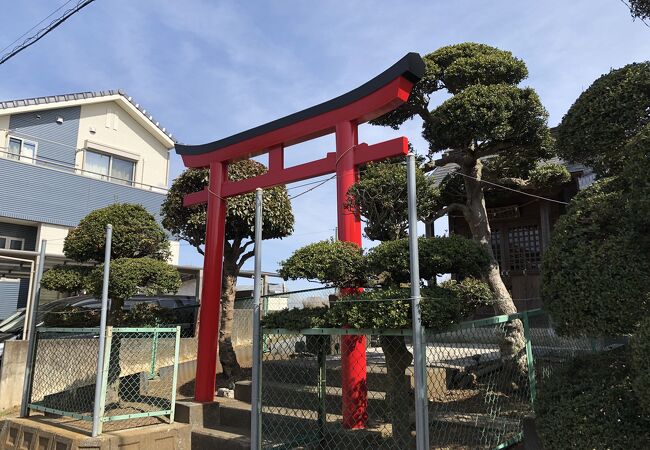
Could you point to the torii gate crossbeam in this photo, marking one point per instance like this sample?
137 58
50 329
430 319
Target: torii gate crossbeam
341 116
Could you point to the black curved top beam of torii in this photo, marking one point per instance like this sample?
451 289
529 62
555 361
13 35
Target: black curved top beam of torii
410 68
378 96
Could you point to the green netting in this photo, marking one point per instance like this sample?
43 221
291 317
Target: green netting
481 379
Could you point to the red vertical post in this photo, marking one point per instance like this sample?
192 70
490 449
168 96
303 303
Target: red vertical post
210 312
353 348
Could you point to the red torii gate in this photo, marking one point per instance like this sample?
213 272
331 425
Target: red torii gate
341 115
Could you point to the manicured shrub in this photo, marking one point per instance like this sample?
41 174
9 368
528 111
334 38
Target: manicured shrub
147 315
640 346
333 262
441 306
596 272
131 276
135 234
381 199
545 175
141 315
589 403
389 262
597 127
297 319
72 317
69 279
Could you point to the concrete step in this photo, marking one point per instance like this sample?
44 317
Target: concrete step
234 413
225 425
199 415
228 412
243 391
222 438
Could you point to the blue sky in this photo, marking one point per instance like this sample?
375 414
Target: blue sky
208 69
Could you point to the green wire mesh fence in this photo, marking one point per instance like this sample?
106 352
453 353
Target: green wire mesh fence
481 383
64 373
138 380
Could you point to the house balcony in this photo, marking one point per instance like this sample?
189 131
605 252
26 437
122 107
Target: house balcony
46 191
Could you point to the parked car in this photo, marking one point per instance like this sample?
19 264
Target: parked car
185 309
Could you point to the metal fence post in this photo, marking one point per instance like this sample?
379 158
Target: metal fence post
31 337
100 403
175 376
419 350
256 403
154 351
97 411
532 382
322 383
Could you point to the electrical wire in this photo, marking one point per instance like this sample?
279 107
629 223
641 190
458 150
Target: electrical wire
509 188
312 188
44 31
632 12
25 33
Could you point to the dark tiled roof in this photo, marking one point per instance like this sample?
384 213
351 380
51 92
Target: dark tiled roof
439 173
8 104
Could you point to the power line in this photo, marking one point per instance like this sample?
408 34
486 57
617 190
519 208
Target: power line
312 188
44 31
632 12
25 33
509 188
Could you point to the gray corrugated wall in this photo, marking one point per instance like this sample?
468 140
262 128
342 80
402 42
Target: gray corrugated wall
23 292
20 231
41 194
8 298
56 142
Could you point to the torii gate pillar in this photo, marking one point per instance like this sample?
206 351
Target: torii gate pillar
353 348
210 311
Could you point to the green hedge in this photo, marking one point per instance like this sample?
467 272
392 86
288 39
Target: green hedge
590 403
441 306
141 315
640 345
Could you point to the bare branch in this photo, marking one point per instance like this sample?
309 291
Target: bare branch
245 257
454 157
247 244
422 110
452 207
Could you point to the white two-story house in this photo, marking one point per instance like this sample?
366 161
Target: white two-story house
62 157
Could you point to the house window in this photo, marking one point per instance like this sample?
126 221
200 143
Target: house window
495 237
108 167
21 150
524 248
12 243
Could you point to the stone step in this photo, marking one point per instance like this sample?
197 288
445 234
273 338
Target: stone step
199 415
235 413
222 438
228 412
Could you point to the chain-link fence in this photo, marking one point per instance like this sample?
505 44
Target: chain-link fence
65 370
306 298
480 381
140 367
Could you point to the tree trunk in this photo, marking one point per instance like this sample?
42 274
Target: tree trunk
513 346
399 397
227 355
